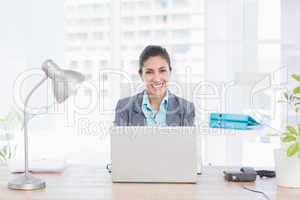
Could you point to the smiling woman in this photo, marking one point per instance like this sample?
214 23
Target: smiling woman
156 105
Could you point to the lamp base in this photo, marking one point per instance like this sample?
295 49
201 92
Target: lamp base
26 183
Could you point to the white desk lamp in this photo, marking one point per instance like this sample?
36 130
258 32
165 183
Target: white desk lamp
65 83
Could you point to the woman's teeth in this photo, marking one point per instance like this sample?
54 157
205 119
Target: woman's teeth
157 85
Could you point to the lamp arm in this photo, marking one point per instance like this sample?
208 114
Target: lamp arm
26 122
31 116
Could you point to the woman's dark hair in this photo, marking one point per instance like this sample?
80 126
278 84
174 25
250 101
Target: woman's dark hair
151 51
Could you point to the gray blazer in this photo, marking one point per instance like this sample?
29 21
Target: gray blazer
180 112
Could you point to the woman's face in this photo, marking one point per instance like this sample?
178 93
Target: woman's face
156 74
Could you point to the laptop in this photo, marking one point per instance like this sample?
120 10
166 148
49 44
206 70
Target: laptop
154 154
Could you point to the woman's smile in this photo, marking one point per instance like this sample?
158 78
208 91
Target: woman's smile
157 85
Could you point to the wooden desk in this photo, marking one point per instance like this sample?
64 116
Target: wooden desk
93 182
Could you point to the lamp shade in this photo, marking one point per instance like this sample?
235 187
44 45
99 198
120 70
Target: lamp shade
65 82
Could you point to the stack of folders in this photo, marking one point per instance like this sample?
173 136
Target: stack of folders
233 121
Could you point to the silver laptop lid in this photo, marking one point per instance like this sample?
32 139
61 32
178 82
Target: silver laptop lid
154 154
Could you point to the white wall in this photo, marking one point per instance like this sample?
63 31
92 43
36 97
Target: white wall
30 32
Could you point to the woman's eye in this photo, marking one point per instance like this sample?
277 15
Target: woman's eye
163 70
148 72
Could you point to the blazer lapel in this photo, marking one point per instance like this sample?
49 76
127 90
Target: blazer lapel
173 117
138 117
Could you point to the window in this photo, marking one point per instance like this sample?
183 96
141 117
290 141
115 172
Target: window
161 20
242 48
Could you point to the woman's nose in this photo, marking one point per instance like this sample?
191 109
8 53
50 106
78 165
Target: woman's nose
156 76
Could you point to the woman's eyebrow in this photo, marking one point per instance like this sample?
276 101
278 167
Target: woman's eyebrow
162 67
149 69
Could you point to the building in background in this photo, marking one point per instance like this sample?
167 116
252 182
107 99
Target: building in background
92 27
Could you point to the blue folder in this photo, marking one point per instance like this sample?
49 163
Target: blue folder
233 121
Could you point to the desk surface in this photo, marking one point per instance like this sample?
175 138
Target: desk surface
93 182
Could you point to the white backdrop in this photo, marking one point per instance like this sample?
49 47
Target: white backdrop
242 45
